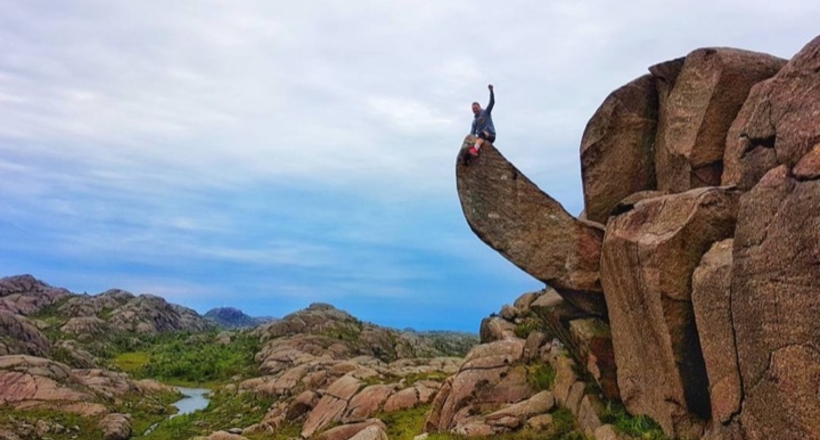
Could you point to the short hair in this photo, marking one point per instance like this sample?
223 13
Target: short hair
476 103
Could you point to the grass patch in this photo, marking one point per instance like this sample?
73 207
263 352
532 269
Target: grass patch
541 376
131 362
636 426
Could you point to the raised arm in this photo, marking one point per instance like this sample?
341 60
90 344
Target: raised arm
492 99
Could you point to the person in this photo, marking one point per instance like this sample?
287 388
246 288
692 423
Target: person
483 127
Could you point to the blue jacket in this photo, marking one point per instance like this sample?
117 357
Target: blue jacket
484 119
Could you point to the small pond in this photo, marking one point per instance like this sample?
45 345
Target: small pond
194 400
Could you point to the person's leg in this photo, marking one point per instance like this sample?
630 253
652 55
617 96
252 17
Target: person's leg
479 142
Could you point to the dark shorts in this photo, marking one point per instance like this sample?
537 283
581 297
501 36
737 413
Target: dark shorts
487 136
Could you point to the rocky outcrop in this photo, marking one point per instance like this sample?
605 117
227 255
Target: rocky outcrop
26 295
617 148
710 89
149 314
232 318
775 306
711 303
649 255
85 306
116 427
705 173
18 335
513 216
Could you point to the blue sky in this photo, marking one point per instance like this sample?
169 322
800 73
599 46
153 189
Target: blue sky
268 154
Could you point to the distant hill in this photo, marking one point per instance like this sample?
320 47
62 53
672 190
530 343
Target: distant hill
232 318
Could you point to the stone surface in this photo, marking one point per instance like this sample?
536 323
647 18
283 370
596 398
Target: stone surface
487 380
540 403
649 255
707 95
594 340
116 427
617 148
367 403
774 300
332 405
18 335
529 228
496 328
373 432
26 295
785 108
345 432
711 284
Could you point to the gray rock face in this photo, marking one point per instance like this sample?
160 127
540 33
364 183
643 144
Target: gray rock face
649 255
529 228
149 314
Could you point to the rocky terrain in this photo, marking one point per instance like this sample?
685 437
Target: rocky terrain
231 318
684 302
695 263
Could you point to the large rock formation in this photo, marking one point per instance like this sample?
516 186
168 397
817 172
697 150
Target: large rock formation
721 340
618 148
649 255
26 295
532 230
706 97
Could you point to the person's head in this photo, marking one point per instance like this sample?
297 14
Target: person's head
476 108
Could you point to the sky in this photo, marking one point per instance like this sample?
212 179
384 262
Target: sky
266 155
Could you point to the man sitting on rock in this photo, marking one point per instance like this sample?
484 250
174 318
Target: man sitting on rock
483 123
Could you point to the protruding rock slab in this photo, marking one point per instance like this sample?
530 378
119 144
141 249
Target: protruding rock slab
528 227
649 255
775 305
617 149
711 284
707 95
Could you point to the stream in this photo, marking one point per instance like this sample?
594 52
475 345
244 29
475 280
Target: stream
194 399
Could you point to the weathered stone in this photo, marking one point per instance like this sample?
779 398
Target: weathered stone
774 300
523 302
332 405
541 421
745 162
373 432
711 284
606 432
808 167
648 258
707 96
301 405
576 393
594 340
474 428
532 346
26 295
565 377
495 328
508 312
116 427
785 108
617 148
404 399
533 231
21 336
221 435
367 403
486 380
588 413
85 328
540 403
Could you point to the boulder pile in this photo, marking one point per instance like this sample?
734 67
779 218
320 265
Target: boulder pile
699 247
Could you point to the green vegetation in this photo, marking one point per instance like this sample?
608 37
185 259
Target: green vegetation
526 326
404 425
227 409
541 376
183 358
636 426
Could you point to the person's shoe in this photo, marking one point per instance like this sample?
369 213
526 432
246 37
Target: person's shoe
473 151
